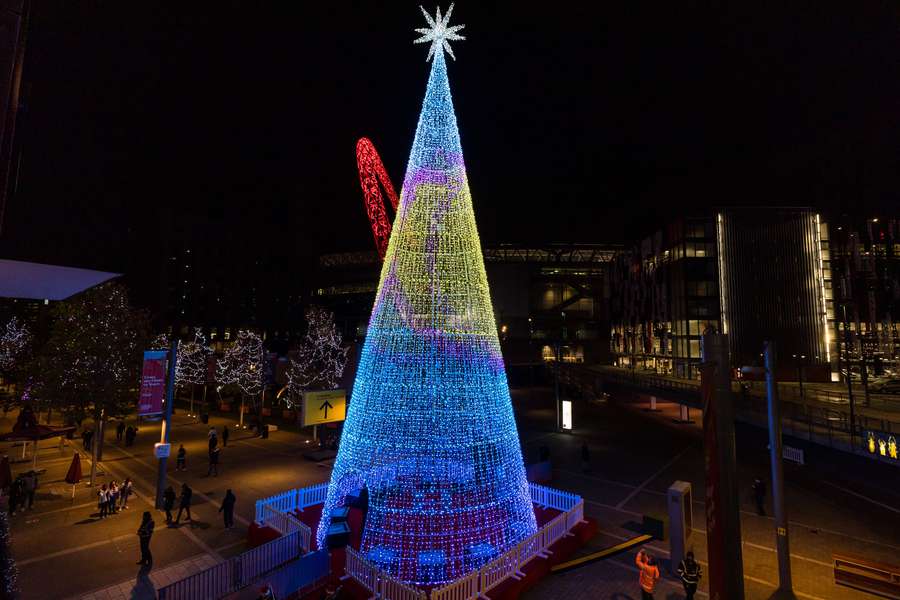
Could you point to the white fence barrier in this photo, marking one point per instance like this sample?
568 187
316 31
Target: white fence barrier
470 587
795 455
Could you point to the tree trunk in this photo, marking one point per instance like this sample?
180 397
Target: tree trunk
49 413
99 430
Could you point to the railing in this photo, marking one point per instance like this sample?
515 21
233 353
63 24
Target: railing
235 573
549 497
291 500
286 523
470 587
376 581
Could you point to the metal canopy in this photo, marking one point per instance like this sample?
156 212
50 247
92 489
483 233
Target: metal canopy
35 281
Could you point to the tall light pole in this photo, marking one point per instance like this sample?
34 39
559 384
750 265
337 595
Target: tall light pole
167 422
781 521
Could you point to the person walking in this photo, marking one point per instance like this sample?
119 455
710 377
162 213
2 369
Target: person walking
125 492
30 484
759 494
213 462
690 573
649 574
585 458
120 430
168 502
225 434
103 501
145 532
130 434
227 509
88 439
184 503
181 458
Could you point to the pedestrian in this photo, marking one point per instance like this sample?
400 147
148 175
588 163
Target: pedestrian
213 462
184 503
120 430
168 502
227 509
112 498
690 573
88 439
585 458
213 442
759 494
126 491
225 434
180 458
130 434
145 532
103 501
649 574
29 484
211 433
16 492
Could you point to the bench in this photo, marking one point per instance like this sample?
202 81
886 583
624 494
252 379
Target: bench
869 576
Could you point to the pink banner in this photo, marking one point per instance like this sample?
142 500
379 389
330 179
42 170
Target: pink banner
153 383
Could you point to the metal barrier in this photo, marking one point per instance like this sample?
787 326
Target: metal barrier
235 573
461 589
876 578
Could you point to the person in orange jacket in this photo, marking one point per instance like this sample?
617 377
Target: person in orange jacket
649 574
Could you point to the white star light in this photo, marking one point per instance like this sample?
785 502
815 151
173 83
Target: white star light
439 34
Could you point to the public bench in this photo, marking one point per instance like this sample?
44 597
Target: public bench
877 578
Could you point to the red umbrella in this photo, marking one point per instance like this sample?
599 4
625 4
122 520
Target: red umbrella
5 473
73 476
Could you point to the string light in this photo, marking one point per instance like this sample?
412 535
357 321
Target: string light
320 359
371 173
242 363
13 341
430 431
190 368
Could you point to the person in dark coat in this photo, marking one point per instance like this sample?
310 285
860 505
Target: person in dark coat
130 434
180 458
759 494
227 509
690 573
120 430
145 532
225 434
16 491
585 458
30 484
168 502
213 462
184 503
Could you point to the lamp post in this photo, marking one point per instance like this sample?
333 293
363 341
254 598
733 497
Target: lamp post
800 359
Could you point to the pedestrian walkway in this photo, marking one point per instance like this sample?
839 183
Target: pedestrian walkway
145 584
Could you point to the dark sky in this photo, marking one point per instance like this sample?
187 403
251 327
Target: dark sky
235 124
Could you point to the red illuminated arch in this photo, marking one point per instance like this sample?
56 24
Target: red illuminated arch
371 173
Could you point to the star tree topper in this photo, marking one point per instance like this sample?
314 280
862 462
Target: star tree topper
438 33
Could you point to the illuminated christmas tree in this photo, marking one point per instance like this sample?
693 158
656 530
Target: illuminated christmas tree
430 432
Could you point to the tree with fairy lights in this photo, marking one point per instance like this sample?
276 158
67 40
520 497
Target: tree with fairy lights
15 343
190 368
91 363
321 356
430 432
242 366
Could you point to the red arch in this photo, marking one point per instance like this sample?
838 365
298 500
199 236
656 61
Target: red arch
371 173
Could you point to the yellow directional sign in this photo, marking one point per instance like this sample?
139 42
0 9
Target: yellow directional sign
324 407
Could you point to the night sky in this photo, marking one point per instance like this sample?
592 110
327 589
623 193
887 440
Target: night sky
234 126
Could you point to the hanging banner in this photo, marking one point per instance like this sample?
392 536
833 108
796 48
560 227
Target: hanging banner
153 383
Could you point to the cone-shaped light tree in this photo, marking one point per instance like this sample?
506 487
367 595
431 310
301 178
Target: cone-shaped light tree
430 432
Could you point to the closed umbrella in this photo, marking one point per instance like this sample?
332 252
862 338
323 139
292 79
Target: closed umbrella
73 476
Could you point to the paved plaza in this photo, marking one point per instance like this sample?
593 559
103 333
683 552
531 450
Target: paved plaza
64 551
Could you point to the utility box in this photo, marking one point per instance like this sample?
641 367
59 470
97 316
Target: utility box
681 521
